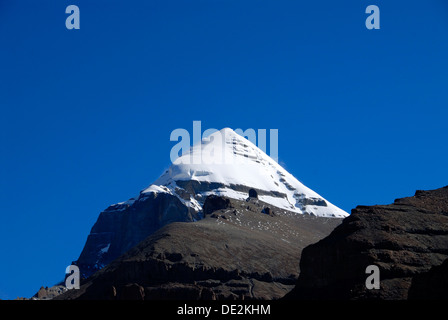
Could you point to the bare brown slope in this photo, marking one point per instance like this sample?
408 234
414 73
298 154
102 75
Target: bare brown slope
247 250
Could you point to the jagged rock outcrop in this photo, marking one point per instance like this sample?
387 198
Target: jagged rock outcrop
407 240
48 293
214 202
268 211
253 193
237 252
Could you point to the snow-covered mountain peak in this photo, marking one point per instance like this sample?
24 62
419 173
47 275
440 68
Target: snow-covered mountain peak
227 164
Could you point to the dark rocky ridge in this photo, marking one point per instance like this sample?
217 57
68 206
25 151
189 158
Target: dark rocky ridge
193 187
235 252
407 240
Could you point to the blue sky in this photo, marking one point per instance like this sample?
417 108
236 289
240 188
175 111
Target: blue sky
86 115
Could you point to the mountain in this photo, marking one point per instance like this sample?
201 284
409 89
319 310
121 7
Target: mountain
224 164
240 249
407 240
230 165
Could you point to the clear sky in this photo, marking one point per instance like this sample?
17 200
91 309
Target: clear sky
86 114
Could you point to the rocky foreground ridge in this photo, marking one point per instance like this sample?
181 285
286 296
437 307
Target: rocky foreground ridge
407 240
250 250
239 250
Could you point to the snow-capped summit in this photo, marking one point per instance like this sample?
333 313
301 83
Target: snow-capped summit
227 164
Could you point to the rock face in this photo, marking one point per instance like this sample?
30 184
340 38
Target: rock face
214 202
234 252
48 293
407 240
122 226
431 285
253 193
